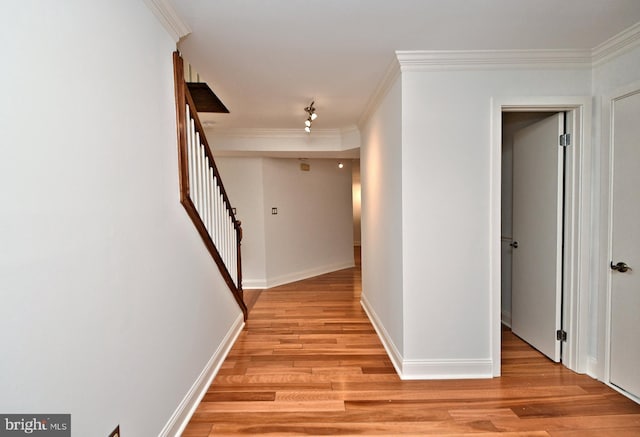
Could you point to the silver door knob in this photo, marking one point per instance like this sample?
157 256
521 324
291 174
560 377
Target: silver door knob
620 267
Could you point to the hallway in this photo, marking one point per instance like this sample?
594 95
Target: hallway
309 363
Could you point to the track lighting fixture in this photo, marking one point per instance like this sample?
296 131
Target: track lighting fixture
311 112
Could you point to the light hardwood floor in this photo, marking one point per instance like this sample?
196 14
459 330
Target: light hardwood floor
310 363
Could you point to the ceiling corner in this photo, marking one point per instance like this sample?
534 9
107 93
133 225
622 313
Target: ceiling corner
169 18
618 44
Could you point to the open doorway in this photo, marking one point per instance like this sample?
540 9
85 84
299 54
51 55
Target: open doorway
357 207
533 227
511 123
577 202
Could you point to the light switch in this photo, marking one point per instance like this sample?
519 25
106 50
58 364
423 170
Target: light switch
274 211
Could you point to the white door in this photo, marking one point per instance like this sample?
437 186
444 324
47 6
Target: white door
625 284
537 233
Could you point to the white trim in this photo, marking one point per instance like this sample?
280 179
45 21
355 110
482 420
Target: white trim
262 133
505 318
426 369
169 18
305 274
606 198
624 393
385 338
181 416
617 45
578 239
579 243
388 80
254 284
283 140
261 284
592 367
426 60
446 369
495 235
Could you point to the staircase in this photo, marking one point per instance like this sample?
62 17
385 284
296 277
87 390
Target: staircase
202 192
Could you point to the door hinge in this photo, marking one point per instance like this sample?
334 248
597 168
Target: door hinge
561 335
565 140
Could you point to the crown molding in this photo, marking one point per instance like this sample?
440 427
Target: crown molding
169 18
428 60
391 75
261 133
617 45
256 140
435 60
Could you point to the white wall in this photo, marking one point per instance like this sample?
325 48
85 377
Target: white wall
110 306
426 170
312 233
446 195
243 181
313 230
382 219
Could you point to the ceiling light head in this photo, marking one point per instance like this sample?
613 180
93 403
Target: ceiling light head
340 165
311 111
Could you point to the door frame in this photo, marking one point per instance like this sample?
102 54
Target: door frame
604 335
577 221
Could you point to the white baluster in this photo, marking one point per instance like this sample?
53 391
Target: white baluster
198 191
189 155
218 215
228 221
205 197
234 253
193 162
212 206
207 211
214 233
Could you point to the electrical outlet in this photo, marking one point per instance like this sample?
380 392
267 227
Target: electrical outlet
115 432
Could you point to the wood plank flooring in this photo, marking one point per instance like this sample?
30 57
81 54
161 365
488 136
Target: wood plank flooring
310 363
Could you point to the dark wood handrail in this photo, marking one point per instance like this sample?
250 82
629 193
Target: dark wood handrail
184 99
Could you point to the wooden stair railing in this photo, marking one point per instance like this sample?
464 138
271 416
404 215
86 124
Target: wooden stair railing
201 190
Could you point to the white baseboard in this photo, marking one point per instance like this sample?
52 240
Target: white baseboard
447 369
180 418
305 274
254 284
261 284
505 318
592 368
389 346
634 398
427 369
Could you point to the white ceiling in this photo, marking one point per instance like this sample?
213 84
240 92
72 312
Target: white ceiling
267 59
